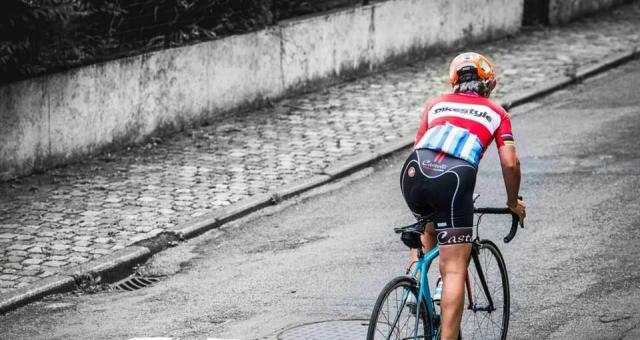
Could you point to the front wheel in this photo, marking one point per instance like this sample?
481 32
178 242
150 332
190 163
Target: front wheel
394 314
486 310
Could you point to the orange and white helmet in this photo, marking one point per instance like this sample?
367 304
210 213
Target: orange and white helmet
472 66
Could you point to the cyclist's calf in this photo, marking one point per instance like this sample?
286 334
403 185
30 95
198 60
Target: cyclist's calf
453 268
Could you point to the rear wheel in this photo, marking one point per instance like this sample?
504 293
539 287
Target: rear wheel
480 318
394 314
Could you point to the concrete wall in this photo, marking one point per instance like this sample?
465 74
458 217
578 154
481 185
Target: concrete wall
49 120
562 11
440 23
327 45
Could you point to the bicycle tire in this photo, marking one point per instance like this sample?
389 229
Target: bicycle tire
491 263
377 328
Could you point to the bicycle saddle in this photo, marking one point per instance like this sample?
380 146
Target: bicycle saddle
410 235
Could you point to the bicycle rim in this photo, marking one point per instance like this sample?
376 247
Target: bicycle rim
477 321
393 317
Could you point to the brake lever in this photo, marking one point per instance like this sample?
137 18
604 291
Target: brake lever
515 220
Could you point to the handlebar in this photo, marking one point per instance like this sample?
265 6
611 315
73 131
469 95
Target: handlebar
503 211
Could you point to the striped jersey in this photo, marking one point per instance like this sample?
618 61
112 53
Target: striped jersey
463 125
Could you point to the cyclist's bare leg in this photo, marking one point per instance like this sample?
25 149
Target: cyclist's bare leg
454 259
428 240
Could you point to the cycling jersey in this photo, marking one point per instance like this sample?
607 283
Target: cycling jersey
462 125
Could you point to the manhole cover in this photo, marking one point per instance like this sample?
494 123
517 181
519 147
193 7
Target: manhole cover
328 330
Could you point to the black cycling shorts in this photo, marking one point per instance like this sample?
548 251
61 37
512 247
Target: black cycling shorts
439 187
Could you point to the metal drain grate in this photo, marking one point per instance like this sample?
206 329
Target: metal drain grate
334 330
135 283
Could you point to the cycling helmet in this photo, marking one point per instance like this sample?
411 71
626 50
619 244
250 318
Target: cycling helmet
471 66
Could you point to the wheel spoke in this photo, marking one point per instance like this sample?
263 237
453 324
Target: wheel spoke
477 324
392 318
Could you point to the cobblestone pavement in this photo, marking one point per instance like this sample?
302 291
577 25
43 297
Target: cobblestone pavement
73 214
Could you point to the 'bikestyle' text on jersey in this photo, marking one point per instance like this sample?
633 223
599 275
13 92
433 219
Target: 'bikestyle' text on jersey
463 125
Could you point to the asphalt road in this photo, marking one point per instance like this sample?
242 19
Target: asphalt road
574 269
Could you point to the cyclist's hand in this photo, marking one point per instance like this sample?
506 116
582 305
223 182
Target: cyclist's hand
519 209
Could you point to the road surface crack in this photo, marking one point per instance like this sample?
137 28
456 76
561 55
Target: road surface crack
610 319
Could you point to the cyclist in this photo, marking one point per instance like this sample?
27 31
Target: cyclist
438 178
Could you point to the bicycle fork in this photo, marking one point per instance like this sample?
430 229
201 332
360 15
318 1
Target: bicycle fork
468 285
472 306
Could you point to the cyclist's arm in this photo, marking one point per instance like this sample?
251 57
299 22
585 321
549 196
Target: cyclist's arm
510 166
511 174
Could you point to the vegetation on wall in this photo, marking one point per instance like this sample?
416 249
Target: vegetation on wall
41 36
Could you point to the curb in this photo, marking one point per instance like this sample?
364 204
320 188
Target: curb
544 89
519 98
348 166
119 264
112 267
48 286
608 64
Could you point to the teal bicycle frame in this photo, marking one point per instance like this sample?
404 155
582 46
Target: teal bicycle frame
424 262
424 294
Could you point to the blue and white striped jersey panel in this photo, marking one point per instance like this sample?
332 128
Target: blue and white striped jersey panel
454 141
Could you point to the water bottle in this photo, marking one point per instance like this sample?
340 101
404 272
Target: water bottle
437 293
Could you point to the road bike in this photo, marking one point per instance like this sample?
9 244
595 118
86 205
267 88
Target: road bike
405 308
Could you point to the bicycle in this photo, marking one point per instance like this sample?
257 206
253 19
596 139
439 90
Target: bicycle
487 291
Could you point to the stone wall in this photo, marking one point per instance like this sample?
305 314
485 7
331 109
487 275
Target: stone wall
53 119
